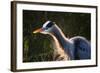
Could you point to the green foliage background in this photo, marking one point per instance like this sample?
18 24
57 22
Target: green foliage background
38 47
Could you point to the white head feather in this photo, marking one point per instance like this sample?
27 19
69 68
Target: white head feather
45 24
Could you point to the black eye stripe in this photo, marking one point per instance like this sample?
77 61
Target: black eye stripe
50 24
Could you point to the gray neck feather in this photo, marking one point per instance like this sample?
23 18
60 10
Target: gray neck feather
63 41
60 36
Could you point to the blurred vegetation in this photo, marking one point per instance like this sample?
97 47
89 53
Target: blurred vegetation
38 47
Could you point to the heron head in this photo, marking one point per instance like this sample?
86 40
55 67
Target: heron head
46 28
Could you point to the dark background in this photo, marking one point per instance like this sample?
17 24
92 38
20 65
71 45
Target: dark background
38 47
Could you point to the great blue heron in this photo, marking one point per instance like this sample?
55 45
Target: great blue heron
75 48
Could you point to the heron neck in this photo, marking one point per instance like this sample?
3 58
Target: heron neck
63 41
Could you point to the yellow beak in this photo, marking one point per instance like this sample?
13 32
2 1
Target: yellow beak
38 30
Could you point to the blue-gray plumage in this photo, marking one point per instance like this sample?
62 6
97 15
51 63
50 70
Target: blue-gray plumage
66 49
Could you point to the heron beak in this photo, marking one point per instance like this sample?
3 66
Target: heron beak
38 30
